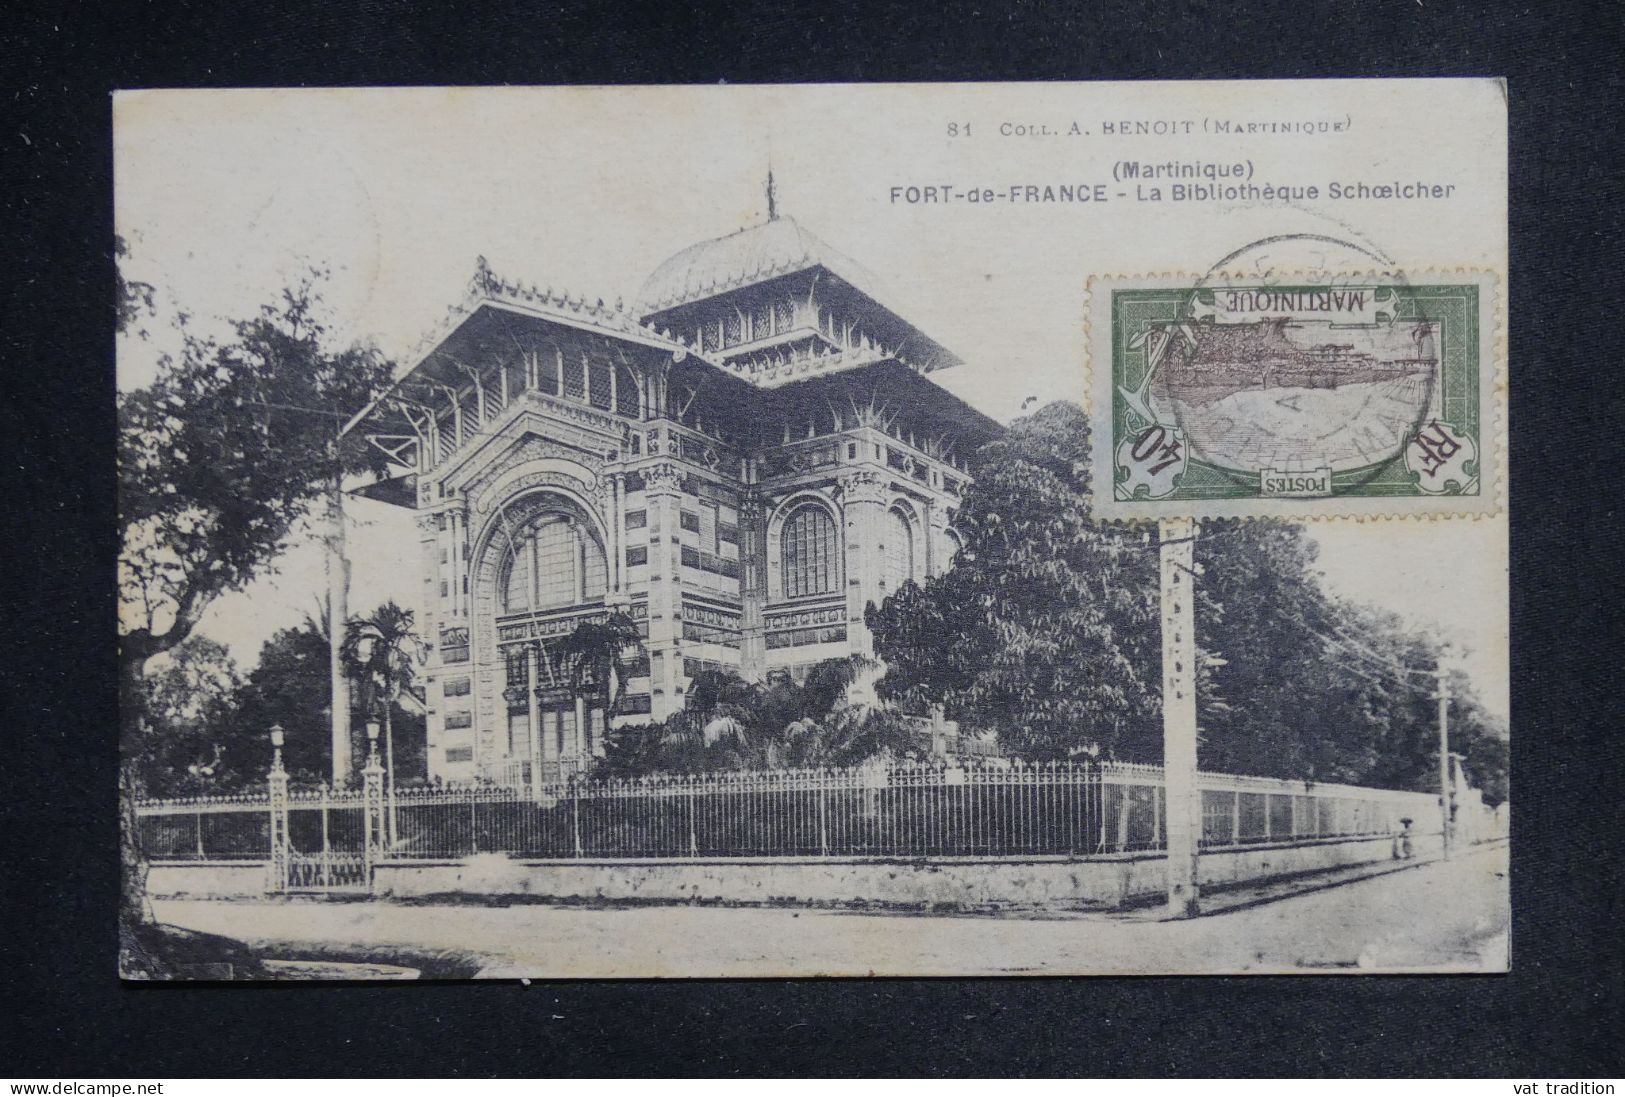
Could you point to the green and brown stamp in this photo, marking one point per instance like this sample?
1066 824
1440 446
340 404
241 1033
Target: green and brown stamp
1222 397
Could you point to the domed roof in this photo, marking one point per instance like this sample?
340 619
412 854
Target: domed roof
776 247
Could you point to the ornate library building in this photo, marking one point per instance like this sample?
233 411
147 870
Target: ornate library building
740 465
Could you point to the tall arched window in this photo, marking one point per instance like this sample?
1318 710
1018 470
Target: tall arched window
899 542
556 561
955 545
809 547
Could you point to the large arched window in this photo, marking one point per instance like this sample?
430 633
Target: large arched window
556 561
899 545
809 547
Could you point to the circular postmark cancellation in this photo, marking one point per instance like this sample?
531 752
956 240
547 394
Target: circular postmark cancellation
1298 374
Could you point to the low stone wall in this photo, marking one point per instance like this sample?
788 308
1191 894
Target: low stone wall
208 879
1053 882
946 881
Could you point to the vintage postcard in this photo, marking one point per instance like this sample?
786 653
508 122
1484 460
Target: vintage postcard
813 530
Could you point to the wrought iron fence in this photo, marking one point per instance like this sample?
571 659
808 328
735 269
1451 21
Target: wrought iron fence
212 828
975 807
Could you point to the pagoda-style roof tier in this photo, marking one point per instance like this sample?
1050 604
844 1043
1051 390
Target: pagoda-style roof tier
459 385
779 256
877 393
487 325
751 255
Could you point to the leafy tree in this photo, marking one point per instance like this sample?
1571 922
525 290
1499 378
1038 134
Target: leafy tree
1258 600
189 699
289 688
218 459
1045 628
133 299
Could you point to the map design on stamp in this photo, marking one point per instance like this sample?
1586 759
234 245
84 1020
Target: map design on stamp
1240 392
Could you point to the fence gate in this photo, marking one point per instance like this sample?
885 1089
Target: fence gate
318 842
328 872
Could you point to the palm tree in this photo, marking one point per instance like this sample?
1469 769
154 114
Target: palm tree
381 653
731 724
596 659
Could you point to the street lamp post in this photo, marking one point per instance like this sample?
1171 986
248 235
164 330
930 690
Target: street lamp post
388 768
372 785
277 798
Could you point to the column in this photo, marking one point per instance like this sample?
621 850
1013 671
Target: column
617 527
752 588
612 551
863 505
454 523
428 626
663 493
936 538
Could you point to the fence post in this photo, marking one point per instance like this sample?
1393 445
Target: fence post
277 789
197 817
693 839
1235 817
327 849
372 805
823 814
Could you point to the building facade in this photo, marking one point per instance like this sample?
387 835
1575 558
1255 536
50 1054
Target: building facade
740 465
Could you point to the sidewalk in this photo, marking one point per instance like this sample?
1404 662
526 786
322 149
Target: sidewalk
1437 916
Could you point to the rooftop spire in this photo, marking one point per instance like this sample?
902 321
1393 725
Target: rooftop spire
772 195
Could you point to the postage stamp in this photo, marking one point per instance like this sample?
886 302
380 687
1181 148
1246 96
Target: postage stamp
1293 396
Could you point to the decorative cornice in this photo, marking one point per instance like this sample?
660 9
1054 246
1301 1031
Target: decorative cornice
662 479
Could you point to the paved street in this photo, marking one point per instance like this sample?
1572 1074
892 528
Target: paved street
1438 916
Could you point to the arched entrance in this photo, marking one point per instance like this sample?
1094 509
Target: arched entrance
545 573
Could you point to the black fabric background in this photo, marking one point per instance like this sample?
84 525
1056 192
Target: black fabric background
1558 1014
